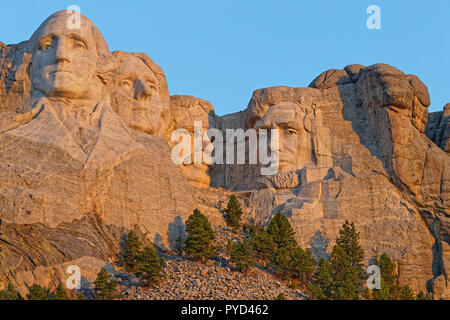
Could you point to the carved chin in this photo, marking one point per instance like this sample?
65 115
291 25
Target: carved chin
145 124
286 167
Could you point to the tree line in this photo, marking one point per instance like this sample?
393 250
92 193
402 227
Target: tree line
339 277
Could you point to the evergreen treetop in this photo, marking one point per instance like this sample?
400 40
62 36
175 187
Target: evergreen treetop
233 212
282 232
104 287
200 236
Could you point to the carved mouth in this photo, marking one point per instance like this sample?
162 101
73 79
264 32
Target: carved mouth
60 71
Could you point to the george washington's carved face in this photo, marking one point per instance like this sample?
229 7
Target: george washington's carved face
64 61
136 96
295 142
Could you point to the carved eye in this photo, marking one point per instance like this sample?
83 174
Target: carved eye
291 132
151 85
46 46
78 45
125 83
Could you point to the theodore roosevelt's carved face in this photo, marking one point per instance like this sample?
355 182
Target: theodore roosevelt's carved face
64 61
185 111
295 141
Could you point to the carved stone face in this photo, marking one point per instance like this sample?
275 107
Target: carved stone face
186 110
295 140
64 60
136 96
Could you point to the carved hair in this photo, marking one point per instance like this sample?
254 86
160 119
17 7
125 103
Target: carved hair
106 66
263 99
157 71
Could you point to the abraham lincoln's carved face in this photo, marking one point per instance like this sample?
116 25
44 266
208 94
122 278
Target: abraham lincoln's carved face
295 141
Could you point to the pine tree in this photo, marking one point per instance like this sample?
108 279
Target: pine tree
233 213
106 289
179 245
242 255
281 231
129 251
10 293
60 293
302 264
346 278
282 262
348 240
388 280
346 264
390 287
263 244
323 279
150 266
200 236
37 292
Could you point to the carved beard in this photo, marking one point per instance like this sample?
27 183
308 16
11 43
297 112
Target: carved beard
283 180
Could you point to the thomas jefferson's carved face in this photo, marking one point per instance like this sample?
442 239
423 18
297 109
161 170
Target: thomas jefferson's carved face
136 97
64 60
295 141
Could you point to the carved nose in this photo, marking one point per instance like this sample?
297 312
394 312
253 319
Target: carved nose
62 55
142 91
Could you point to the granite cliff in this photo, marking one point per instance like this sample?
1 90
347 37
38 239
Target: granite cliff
85 156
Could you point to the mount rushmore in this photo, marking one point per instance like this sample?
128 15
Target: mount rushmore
85 156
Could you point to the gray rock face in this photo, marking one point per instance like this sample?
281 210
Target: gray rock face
86 158
438 128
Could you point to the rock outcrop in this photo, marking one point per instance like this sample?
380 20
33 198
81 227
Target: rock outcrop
85 156
438 128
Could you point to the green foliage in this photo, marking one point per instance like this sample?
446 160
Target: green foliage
282 262
37 292
422 296
315 292
129 251
406 293
10 293
233 213
390 288
263 244
105 288
229 247
242 255
200 236
323 279
341 278
60 293
348 240
281 231
346 265
346 278
81 297
150 266
179 244
303 264
281 296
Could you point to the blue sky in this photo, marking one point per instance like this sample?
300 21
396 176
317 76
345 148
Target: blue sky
223 50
